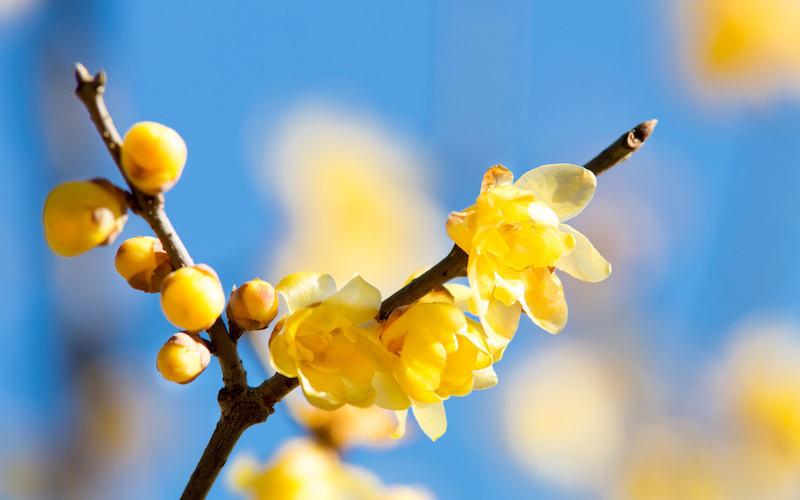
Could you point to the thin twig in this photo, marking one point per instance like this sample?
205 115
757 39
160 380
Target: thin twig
622 148
90 90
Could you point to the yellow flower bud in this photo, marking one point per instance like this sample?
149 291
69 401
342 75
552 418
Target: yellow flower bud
153 156
182 358
192 297
253 306
143 262
80 215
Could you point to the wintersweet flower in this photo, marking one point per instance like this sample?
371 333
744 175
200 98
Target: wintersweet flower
515 238
435 352
322 342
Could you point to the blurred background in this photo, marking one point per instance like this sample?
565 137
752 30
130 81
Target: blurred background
336 137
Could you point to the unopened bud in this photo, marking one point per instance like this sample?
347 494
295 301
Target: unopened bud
192 297
153 157
80 215
182 358
143 262
253 305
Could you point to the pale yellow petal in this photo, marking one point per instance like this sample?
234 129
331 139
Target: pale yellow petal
319 398
431 419
388 393
500 323
402 418
303 289
358 300
566 188
484 378
459 230
544 299
461 295
279 356
584 262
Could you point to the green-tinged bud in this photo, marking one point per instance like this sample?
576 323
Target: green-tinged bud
182 358
253 305
143 262
80 215
153 157
192 297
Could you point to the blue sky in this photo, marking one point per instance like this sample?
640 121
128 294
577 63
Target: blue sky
470 84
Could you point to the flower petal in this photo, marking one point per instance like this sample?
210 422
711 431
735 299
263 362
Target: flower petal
544 299
388 393
584 262
458 228
358 301
461 295
303 289
402 418
279 356
484 378
431 419
500 324
565 188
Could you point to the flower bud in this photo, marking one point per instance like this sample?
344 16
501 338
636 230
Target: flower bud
143 262
153 156
192 297
253 306
80 215
182 358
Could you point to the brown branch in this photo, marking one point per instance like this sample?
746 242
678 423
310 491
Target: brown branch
622 148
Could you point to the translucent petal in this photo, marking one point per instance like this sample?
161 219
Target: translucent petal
431 419
358 301
544 299
304 288
584 262
388 393
484 379
500 324
461 295
566 188
402 418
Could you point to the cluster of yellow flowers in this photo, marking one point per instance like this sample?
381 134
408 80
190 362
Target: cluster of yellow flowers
332 340
430 350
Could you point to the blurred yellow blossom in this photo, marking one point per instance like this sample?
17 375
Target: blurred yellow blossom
515 240
669 462
305 470
321 341
565 416
748 46
348 179
762 378
347 426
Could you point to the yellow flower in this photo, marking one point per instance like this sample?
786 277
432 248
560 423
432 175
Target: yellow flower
515 238
153 157
143 262
435 352
80 215
303 469
253 305
192 297
321 341
182 358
